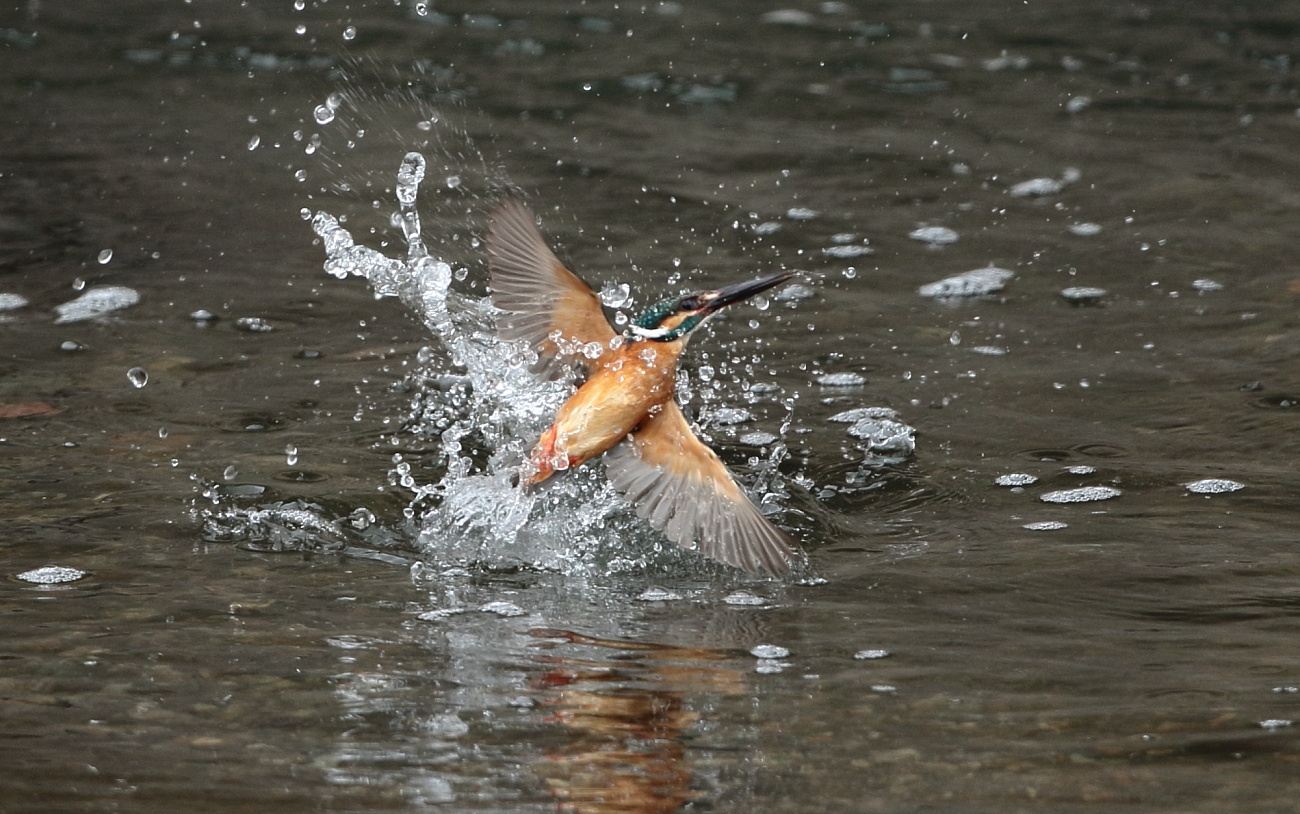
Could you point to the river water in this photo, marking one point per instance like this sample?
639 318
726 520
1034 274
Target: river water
289 567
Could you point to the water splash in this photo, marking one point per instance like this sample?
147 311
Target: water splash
482 421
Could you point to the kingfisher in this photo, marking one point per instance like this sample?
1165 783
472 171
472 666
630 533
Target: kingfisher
624 408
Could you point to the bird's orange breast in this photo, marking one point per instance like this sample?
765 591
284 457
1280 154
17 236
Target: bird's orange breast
628 384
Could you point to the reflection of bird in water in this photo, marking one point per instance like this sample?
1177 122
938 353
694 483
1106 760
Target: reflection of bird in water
629 724
625 406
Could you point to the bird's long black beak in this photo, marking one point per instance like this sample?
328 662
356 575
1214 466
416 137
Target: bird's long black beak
743 291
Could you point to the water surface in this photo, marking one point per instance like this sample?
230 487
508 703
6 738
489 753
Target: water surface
248 504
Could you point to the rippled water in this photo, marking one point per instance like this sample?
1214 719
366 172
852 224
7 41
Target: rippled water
302 579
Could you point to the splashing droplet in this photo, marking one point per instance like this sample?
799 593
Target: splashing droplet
291 455
105 256
138 376
324 114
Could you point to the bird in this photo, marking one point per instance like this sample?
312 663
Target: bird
624 407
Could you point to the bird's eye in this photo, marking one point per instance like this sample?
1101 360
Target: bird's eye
690 304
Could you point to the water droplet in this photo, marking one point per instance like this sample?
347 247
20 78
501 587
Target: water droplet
1085 229
105 256
291 455
78 284
162 432
616 296
254 142
231 472
299 5
349 33
324 114
300 29
138 376
453 182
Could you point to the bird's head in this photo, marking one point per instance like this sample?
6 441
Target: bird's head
675 317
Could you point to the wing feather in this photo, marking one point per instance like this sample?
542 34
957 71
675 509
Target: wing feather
539 294
682 488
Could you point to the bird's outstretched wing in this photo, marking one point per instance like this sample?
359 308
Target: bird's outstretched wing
681 487
540 295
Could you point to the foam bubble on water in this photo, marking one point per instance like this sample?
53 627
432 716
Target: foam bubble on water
502 608
802 213
1046 525
727 416
769 651
757 439
1015 479
1081 469
96 302
1205 284
788 16
1084 494
860 413
870 655
1084 229
52 575
254 325
10 302
1213 486
1083 295
885 437
743 598
841 380
658 595
794 292
1036 187
974 283
934 235
844 252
